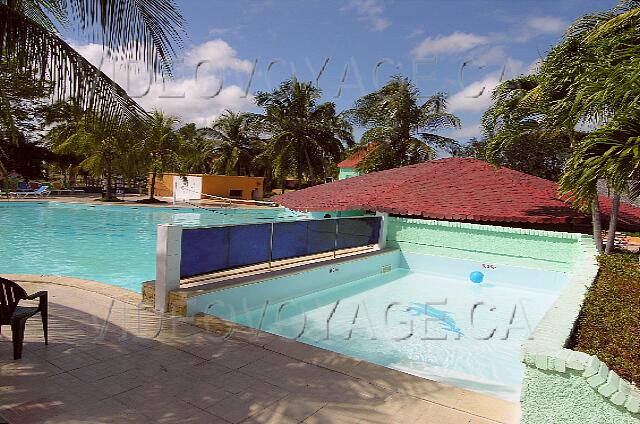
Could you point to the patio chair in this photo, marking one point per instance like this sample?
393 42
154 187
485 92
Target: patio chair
40 192
16 316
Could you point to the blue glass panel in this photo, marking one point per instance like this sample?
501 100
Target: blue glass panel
289 239
249 244
357 232
321 236
204 250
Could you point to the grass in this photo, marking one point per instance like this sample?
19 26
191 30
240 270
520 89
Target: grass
609 323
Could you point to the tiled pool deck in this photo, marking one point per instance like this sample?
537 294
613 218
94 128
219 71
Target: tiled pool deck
110 361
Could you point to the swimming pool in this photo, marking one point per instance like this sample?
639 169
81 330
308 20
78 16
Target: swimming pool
107 243
415 313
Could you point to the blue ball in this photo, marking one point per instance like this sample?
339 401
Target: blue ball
476 277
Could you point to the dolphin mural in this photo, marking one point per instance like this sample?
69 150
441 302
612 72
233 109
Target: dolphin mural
446 320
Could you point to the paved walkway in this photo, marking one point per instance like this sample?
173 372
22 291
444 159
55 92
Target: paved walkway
109 361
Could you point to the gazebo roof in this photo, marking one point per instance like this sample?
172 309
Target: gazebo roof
453 189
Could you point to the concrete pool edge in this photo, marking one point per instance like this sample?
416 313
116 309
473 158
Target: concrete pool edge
561 382
115 292
474 403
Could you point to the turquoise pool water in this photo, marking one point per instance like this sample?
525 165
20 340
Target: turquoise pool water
111 244
423 317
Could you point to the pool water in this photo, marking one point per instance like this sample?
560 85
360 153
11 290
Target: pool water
111 244
419 323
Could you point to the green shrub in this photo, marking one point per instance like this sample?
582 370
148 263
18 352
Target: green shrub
609 323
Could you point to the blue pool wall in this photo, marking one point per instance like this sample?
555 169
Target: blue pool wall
549 250
494 272
251 296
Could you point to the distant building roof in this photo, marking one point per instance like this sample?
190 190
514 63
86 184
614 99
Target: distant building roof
353 160
454 189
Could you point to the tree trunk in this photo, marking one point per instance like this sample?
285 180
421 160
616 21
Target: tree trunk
613 222
596 219
109 188
152 189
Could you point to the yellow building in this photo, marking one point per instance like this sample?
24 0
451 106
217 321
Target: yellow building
197 186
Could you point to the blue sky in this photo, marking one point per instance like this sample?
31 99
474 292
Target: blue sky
365 41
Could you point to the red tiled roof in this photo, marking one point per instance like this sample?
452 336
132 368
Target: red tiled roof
452 189
353 160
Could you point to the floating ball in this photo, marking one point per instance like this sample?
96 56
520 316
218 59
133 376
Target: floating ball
476 277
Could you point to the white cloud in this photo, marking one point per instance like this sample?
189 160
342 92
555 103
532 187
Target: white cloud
370 12
416 33
469 98
466 132
193 97
218 55
490 56
546 24
456 42
540 25
219 31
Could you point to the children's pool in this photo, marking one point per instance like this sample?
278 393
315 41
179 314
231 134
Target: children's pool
415 313
111 244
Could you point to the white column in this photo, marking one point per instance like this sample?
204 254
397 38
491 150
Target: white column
384 222
168 251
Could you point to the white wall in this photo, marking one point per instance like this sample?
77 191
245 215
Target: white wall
188 188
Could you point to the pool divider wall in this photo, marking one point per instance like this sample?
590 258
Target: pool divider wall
168 256
566 386
186 252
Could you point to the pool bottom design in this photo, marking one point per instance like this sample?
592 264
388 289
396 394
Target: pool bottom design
435 326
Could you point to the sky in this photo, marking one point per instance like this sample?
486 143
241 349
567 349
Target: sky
348 48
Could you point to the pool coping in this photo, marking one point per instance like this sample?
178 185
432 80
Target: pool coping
475 403
90 200
547 348
114 292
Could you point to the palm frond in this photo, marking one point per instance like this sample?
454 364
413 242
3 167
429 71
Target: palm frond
32 48
148 30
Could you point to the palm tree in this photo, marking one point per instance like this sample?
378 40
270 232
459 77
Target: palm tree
598 86
161 147
103 143
235 139
63 119
589 78
304 135
22 96
400 130
146 30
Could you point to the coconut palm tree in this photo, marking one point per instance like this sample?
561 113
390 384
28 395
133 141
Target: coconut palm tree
400 127
161 147
103 143
234 139
304 135
600 55
147 30
587 79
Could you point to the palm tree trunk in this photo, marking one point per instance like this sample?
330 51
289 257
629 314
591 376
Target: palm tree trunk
152 189
109 188
613 222
596 220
